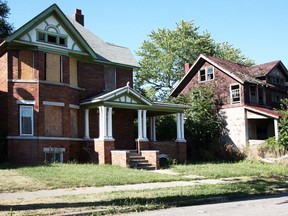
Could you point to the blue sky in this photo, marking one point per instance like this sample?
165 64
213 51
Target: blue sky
258 27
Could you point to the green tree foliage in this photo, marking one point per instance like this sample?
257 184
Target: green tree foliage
283 124
5 28
163 56
204 125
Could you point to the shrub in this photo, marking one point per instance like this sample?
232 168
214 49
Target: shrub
271 147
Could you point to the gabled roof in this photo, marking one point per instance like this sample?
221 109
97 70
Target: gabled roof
98 49
240 73
119 96
128 98
263 69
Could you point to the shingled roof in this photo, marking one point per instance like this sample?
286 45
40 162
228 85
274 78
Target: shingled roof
263 69
239 72
104 50
93 45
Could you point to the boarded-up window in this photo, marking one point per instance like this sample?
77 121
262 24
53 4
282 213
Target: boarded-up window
73 71
26 65
110 78
53 121
53 67
74 122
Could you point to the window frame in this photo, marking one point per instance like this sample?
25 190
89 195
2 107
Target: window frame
47 34
206 76
20 120
231 93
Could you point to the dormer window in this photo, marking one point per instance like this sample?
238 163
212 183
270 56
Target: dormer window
51 35
206 74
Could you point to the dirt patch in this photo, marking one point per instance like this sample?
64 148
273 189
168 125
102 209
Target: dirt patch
11 181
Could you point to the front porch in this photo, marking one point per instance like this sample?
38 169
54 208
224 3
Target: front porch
112 123
261 124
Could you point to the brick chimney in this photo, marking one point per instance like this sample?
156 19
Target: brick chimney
187 67
79 17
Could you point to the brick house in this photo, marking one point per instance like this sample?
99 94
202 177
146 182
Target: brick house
248 95
67 95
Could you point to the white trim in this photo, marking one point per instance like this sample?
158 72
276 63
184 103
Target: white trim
51 103
27 102
32 121
24 137
73 106
206 73
276 129
231 96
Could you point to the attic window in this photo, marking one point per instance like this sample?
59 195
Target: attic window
51 37
206 74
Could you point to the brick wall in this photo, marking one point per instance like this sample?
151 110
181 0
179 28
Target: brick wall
123 76
104 148
123 129
152 157
175 150
30 151
120 158
3 94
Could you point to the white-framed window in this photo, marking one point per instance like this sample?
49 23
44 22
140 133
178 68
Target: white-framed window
235 93
53 154
52 38
26 120
206 74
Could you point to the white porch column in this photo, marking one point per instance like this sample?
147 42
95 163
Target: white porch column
140 135
87 135
104 119
110 136
144 125
182 125
103 122
276 129
100 122
178 127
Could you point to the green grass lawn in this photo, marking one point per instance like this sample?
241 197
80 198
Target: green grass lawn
226 170
54 176
73 175
263 179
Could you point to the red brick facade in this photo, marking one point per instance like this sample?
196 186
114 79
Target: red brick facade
90 83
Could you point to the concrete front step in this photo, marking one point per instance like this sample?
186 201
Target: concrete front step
139 162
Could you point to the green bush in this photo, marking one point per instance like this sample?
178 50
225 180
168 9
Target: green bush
271 147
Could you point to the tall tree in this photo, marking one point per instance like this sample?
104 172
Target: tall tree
163 56
5 27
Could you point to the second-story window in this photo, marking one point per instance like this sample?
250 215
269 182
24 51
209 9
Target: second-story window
235 93
110 78
206 74
53 67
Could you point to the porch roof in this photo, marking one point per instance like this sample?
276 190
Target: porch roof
127 98
263 111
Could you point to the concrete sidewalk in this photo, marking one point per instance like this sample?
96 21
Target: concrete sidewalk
107 189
